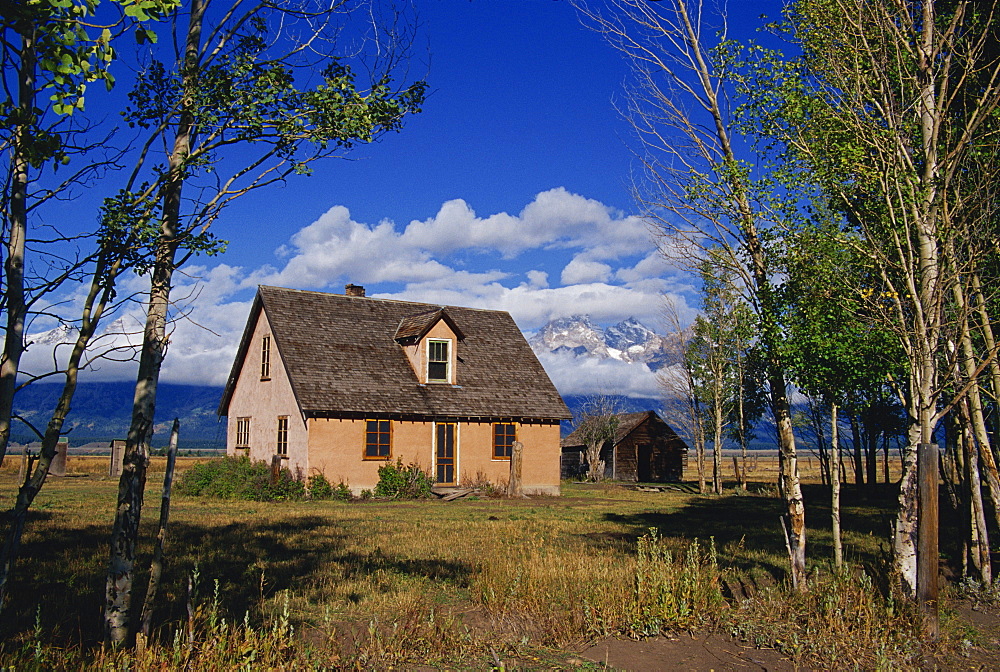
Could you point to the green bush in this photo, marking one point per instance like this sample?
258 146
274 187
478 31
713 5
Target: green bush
342 492
286 488
319 487
399 481
239 478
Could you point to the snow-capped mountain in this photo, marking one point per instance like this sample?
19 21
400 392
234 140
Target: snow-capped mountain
121 332
63 333
629 341
634 340
575 334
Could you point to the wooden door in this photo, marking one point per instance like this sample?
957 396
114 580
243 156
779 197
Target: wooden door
644 463
444 453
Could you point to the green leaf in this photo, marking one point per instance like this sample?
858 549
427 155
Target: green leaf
136 12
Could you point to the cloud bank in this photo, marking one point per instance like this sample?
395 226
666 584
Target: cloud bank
562 254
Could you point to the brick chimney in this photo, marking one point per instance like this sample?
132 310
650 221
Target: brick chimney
354 290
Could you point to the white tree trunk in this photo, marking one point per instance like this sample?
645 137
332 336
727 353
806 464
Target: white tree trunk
834 467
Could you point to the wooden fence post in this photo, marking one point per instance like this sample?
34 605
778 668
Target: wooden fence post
117 457
156 566
25 471
514 484
275 468
57 467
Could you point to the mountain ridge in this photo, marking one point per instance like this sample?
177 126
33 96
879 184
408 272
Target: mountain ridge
628 341
101 411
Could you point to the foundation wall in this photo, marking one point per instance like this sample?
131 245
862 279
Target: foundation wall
264 400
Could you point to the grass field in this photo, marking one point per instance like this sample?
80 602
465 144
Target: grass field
373 584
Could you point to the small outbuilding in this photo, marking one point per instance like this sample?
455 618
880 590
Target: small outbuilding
645 449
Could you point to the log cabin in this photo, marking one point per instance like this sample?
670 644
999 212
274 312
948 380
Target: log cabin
645 449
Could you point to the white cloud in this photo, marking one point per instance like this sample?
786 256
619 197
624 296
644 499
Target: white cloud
653 265
607 263
573 375
456 227
335 247
539 279
579 270
575 221
531 307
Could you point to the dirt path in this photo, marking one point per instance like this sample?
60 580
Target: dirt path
704 652
685 652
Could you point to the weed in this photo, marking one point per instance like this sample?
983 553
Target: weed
564 597
980 593
483 483
673 594
842 619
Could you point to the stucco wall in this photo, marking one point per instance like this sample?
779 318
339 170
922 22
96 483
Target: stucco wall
263 401
336 449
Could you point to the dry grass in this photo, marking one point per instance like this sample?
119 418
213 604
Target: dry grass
379 584
96 466
762 466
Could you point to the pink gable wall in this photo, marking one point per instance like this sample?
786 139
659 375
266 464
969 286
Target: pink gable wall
263 401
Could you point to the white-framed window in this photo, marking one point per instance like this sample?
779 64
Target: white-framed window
242 432
281 447
265 358
438 360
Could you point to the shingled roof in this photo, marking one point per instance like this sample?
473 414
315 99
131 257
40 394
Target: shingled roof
342 358
415 327
626 423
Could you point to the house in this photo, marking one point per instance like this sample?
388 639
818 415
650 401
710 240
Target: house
341 384
645 449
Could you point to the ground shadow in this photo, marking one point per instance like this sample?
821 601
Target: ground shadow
57 593
747 528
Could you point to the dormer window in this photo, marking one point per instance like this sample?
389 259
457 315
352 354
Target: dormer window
430 341
438 361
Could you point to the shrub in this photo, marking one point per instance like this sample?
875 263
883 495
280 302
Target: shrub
319 487
399 481
342 492
285 488
239 478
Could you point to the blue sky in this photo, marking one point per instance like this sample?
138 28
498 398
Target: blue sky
511 190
